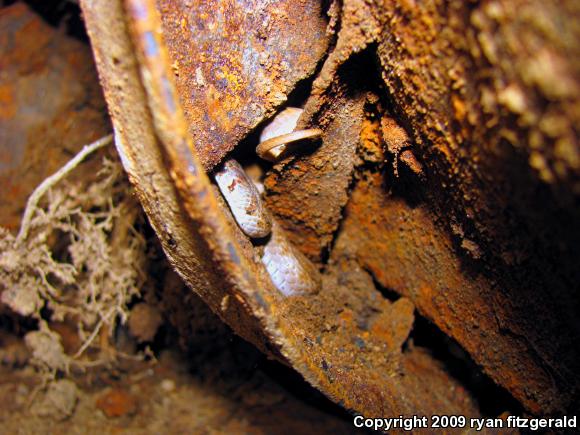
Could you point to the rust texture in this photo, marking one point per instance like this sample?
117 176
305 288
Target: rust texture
346 340
46 79
308 194
226 246
489 93
473 220
411 255
235 63
359 27
493 143
137 143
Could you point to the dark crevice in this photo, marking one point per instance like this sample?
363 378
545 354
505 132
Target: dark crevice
352 74
62 14
13 323
492 399
387 293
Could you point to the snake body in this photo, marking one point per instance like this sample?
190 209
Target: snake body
243 199
290 271
279 136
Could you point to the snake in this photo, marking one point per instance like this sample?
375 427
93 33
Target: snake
243 199
289 270
280 137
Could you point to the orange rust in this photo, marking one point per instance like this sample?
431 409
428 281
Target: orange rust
371 146
480 124
346 318
409 253
408 158
408 250
351 340
394 135
116 403
7 102
458 107
233 69
307 194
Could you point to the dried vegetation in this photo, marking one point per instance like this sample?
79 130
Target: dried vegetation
77 259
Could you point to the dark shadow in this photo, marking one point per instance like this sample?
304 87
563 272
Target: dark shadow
64 14
491 398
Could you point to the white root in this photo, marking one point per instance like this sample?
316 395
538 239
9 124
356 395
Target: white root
31 204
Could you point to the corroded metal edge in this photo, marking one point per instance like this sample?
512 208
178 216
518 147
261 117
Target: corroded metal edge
195 233
186 242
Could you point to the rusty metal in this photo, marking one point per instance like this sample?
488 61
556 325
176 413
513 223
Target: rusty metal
236 62
489 93
347 339
308 193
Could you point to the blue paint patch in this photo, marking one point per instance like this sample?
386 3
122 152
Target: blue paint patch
151 47
221 84
168 95
359 343
250 59
192 169
261 302
139 10
233 253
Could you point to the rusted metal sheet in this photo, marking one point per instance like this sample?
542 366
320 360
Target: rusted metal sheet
46 78
308 194
359 27
235 62
490 94
347 339
150 134
409 254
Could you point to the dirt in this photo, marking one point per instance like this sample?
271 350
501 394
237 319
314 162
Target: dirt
439 208
161 362
231 388
49 96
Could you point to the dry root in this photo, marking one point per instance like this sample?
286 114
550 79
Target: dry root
77 259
